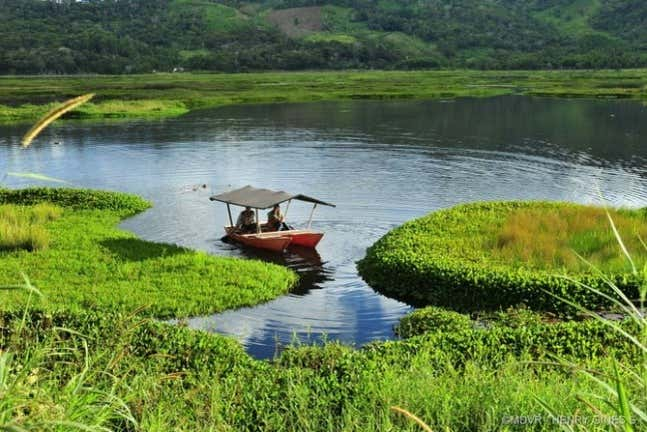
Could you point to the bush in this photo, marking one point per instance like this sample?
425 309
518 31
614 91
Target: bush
450 259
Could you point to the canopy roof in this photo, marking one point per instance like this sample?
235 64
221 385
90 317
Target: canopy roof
261 198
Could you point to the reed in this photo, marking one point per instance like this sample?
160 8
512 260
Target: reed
34 397
23 227
543 238
54 114
623 388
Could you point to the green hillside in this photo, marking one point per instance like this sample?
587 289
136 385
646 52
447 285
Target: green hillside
128 36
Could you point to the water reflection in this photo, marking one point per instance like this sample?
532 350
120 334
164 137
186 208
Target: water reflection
382 163
307 263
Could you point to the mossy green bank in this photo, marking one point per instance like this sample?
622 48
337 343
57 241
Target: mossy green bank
24 98
173 378
492 255
91 264
83 356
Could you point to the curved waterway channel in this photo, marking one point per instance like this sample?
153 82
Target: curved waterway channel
382 163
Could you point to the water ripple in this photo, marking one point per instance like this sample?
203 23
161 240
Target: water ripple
381 163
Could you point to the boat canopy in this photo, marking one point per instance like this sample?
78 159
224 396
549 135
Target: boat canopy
261 198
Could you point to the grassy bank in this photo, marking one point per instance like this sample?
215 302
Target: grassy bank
90 264
491 255
168 95
147 376
83 357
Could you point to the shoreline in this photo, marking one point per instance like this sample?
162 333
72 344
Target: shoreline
161 96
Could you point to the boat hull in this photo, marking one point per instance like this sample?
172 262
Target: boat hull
305 239
274 243
278 240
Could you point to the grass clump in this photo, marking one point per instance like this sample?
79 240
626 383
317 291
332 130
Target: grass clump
545 238
432 319
153 108
486 256
23 227
91 264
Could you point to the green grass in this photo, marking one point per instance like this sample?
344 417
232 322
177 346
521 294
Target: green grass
90 264
82 357
331 37
551 239
497 255
129 109
173 378
166 95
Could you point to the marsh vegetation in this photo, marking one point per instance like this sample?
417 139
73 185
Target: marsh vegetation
91 264
83 352
170 95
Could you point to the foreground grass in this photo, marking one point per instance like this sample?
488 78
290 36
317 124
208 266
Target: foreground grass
90 264
68 363
491 255
121 373
168 95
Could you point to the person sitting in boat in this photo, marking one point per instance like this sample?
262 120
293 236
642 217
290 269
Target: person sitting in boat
246 222
275 219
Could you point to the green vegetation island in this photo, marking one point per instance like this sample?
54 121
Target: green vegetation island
484 256
82 346
24 99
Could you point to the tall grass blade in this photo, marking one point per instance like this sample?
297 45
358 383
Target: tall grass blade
564 426
12 428
623 401
36 177
413 417
626 305
54 114
607 322
620 242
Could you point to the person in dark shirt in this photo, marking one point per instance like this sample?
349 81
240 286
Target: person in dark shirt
275 219
246 222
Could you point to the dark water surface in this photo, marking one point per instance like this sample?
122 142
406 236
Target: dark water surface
382 163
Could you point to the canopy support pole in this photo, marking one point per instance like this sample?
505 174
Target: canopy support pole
258 223
287 207
311 214
231 221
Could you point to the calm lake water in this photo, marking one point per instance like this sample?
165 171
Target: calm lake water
382 163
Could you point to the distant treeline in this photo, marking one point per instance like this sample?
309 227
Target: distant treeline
130 36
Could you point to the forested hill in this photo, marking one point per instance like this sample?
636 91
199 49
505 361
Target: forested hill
128 36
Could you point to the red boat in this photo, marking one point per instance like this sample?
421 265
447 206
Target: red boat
262 236
261 241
